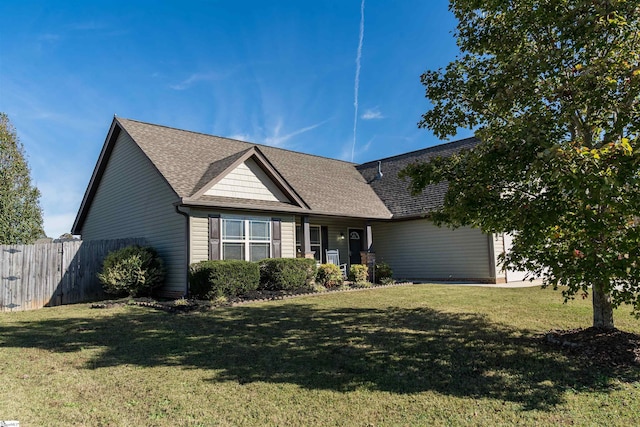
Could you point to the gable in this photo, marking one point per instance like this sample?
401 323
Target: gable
247 181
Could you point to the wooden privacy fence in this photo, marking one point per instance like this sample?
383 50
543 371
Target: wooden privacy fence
35 276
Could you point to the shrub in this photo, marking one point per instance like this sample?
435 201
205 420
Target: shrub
387 281
132 271
383 272
286 274
181 302
358 273
329 275
316 287
228 278
365 284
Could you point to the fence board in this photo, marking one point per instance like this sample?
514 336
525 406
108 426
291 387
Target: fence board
34 276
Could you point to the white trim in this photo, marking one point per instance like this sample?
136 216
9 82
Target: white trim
246 238
312 245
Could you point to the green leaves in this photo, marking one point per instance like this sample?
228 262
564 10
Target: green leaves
552 89
134 270
20 213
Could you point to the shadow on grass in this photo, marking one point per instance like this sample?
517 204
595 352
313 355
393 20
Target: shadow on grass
395 350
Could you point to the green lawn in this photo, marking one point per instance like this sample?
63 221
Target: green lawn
410 355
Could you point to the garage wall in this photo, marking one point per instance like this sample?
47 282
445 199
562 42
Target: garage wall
511 274
418 250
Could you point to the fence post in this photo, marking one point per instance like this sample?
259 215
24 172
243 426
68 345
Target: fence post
61 270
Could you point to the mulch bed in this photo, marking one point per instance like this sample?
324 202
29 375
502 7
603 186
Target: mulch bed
187 305
598 346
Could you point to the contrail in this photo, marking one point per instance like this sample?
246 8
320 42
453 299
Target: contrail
357 82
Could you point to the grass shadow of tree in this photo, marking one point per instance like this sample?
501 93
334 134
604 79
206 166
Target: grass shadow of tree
396 350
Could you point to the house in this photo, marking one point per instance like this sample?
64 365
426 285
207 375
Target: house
196 197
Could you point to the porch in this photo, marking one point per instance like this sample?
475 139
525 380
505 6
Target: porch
353 238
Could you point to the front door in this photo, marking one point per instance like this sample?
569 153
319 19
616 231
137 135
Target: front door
356 244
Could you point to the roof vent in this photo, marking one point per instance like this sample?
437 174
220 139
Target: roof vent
379 175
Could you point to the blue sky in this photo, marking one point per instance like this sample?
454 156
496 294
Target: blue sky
278 72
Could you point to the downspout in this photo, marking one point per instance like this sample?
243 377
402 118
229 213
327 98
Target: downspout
187 248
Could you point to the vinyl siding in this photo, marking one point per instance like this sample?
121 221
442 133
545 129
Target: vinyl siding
335 226
498 249
132 200
288 236
200 233
419 250
199 226
247 181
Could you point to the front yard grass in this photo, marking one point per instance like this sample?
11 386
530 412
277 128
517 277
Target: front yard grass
411 355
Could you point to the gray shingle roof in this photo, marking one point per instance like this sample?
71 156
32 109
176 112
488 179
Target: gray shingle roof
395 193
189 160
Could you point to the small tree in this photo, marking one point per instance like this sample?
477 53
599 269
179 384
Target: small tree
552 89
20 213
329 275
133 270
358 274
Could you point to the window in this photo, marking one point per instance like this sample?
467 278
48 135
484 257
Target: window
246 238
315 240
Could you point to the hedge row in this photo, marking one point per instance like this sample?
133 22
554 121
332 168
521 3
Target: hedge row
212 279
137 270
286 274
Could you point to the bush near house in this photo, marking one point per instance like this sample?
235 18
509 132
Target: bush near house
134 271
286 274
329 275
384 273
229 278
359 274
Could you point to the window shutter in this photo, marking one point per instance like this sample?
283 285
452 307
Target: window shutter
324 243
214 237
276 237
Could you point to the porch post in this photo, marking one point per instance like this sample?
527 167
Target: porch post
305 239
368 255
369 236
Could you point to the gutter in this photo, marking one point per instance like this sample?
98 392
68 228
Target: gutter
188 202
187 245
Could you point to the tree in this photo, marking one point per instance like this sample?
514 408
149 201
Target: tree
20 213
552 90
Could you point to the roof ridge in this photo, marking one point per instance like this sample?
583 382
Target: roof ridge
252 144
422 150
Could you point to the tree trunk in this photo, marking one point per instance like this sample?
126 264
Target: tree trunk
602 308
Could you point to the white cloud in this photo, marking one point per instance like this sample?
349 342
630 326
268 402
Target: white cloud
56 225
60 200
348 155
277 140
356 85
241 137
196 78
372 114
